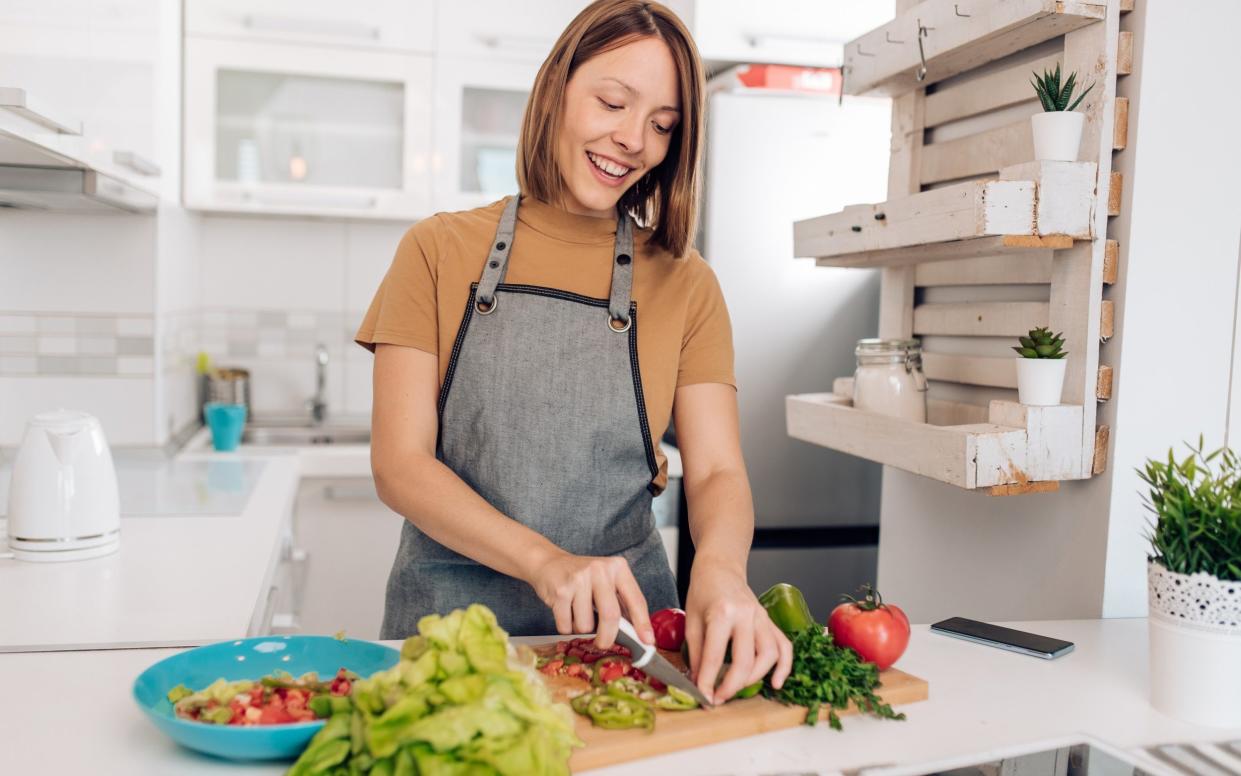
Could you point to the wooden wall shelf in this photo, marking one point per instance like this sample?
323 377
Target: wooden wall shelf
969 232
1035 205
1014 447
885 61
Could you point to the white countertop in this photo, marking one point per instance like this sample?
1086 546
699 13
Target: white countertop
981 698
177 579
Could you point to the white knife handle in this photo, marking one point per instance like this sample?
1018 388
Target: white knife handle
648 650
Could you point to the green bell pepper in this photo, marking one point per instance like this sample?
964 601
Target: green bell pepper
787 608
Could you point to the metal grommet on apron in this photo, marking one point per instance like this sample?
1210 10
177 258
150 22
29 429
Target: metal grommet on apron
541 412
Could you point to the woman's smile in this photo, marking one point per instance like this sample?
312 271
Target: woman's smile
607 170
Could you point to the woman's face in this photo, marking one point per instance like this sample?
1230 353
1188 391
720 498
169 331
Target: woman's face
620 109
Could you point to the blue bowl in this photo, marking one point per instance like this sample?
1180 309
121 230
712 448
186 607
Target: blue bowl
251 659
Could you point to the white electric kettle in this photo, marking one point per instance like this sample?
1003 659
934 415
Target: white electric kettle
63 502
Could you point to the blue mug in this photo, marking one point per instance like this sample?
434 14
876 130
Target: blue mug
226 422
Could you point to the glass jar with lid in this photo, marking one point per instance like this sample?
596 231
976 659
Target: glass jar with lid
889 378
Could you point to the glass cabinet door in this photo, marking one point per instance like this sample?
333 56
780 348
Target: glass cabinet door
298 129
480 105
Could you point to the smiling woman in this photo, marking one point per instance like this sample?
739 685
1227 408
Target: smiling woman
518 402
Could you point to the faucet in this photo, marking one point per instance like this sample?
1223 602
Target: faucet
318 403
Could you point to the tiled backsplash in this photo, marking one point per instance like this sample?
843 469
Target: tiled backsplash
59 343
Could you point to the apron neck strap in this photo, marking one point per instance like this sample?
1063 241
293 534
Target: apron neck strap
497 260
622 261
622 269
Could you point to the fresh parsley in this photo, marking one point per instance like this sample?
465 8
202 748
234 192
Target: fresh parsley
825 674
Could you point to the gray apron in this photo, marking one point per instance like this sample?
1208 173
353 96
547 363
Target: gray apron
541 413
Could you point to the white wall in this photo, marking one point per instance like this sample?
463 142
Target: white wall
1080 552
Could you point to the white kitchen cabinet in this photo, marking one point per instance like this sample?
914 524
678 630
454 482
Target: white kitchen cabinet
347 540
78 80
376 24
500 29
307 130
795 32
478 112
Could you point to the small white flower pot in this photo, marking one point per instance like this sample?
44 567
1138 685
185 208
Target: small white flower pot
1057 135
1040 381
1195 647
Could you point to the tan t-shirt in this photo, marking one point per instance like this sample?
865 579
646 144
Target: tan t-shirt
685 336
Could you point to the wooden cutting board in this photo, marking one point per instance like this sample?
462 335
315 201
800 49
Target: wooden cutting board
677 730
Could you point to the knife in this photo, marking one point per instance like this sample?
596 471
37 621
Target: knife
648 659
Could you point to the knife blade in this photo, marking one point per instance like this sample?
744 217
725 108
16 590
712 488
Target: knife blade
648 659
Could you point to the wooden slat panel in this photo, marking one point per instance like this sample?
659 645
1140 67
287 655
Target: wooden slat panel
896 284
1111 260
1101 437
1124 54
1053 438
1107 320
980 319
1021 268
954 43
1126 6
1115 187
1120 131
997 90
1103 386
973 370
1022 246
977 154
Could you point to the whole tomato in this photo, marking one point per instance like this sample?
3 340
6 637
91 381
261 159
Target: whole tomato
669 626
877 631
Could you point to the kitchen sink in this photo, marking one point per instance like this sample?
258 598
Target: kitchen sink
306 435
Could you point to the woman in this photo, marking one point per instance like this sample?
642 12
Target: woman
517 400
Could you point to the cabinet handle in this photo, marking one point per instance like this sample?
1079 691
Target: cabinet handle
138 164
332 28
15 100
514 41
295 198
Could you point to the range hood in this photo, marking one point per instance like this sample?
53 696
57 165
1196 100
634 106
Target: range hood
69 190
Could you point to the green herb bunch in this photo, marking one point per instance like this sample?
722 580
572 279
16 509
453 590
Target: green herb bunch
1197 506
825 674
1041 343
1055 97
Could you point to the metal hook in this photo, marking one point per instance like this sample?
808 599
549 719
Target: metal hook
888 37
861 53
921 72
957 11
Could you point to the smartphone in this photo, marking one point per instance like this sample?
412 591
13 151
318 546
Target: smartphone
1004 638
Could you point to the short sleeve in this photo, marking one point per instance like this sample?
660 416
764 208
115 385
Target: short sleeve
404 310
707 345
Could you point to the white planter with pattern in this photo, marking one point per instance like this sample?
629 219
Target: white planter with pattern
1195 646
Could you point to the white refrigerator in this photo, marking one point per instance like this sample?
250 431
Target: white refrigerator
771 159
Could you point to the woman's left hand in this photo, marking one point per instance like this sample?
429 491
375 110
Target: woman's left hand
721 608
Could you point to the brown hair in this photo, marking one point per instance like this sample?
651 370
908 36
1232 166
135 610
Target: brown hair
666 198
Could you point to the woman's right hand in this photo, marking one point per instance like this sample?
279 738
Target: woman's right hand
575 587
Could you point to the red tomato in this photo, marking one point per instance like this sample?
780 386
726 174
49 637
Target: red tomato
877 631
669 626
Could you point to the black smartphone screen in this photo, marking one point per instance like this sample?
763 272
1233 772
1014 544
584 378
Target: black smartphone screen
1003 637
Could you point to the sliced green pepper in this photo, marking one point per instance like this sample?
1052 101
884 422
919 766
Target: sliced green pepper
748 692
676 700
787 608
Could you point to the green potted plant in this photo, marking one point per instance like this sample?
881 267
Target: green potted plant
1058 129
1194 585
1040 368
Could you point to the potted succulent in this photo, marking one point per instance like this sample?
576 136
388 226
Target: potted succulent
1058 129
1194 586
1040 368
